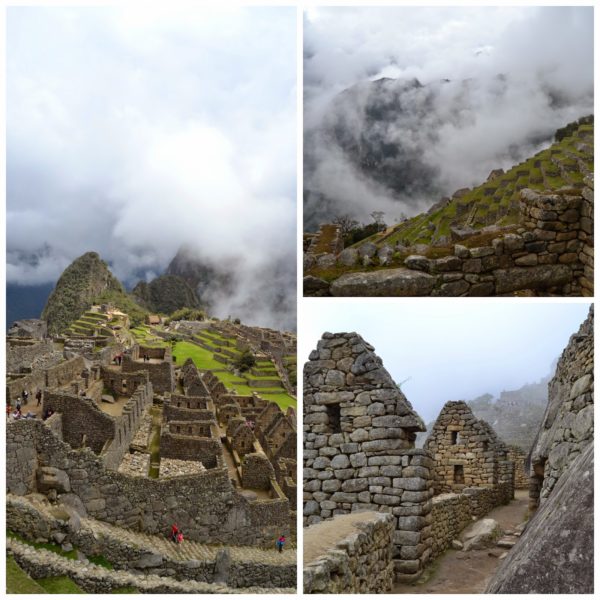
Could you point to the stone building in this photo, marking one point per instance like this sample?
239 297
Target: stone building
360 455
359 451
467 453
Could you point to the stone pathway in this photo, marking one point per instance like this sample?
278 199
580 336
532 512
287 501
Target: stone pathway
95 579
189 550
457 572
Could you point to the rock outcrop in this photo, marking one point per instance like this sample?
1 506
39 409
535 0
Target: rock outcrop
83 280
555 554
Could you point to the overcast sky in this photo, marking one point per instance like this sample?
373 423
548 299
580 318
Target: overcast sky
545 55
451 349
133 131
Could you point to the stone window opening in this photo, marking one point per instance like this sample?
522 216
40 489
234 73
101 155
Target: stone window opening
455 438
459 474
485 446
334 415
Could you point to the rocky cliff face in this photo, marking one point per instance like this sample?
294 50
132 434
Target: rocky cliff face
555 552
86 278
166 294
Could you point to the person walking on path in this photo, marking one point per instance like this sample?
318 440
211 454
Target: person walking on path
280 543
174 532
38 397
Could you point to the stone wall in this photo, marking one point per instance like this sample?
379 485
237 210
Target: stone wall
568 423
359 563
450 514
359 432
83 423
52 377
518 457
466 451
205 505
121 383
125 551
97 580
257 472
555 553
161 374
551 252
208 451
25 353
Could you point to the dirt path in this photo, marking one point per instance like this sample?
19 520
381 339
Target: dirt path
457 572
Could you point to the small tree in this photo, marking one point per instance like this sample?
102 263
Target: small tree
245 361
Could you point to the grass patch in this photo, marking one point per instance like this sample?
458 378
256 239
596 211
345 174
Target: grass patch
72 554
101 562
18 582
125 590
202 358
59 585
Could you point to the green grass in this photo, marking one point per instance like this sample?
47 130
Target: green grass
283 400
202 358
59 585
101 562
72 554
125 590
18 582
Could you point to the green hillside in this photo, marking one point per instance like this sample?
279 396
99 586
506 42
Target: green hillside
496 201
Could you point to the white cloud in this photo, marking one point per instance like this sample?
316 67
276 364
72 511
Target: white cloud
545 58
134 131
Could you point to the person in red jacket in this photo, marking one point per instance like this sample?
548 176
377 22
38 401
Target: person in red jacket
174 532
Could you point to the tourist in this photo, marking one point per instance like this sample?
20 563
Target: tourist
280 543
38 397
25 396
174 532
179 537
8 410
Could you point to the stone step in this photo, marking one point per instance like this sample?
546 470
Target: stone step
188 550
506 542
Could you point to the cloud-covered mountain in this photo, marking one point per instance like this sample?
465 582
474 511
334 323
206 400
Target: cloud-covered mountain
405 105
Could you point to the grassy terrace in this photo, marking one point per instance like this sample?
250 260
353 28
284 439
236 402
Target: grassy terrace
204 359
19 582
562 164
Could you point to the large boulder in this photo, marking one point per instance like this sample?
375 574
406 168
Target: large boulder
388 282
481 534
541 277
555 554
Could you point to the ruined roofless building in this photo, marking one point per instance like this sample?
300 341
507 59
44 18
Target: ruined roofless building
359 454
468 453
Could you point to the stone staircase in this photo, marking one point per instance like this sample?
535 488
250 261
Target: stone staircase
188 550
160 545
96 579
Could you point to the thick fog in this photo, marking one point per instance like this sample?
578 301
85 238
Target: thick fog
135 131
457 350
493 86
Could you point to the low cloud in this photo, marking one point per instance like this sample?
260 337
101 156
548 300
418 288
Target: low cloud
469 90
136 132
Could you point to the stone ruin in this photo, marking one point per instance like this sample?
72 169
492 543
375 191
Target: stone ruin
551 252
467 453
360 455
224 470
555 554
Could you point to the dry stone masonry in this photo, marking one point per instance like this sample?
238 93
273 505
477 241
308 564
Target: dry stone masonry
134 444
359 455
359 563
555 554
